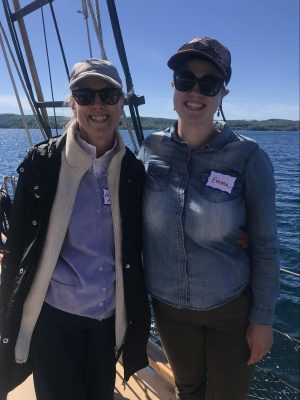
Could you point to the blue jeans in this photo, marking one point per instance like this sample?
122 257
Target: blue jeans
73 357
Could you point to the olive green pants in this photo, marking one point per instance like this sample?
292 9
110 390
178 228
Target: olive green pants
207 350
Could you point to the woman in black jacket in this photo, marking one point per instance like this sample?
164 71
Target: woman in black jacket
72 295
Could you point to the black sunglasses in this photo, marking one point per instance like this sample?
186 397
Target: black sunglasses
108 95
209 85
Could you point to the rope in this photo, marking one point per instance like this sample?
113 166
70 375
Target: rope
290 272
17 47
85 15
133 108
101 42
22 81
132 98
119 43
98 29
49 68
277 379
98 19
45 128
125 123
59 40
32 65
16 91
291 338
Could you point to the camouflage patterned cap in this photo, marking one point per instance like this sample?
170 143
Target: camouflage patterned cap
206 48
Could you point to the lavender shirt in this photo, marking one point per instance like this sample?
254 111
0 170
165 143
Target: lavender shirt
83 282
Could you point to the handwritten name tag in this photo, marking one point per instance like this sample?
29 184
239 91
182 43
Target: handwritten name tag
106 197
221 181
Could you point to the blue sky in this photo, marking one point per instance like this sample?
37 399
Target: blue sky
262 35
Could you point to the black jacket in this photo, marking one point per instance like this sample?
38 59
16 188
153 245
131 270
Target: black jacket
38 178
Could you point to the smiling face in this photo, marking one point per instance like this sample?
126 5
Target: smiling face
195 109
97 122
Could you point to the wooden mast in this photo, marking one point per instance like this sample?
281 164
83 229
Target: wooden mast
31 63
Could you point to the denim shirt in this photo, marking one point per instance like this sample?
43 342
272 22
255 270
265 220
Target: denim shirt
196 204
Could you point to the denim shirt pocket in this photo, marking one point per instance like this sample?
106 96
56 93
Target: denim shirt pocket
157 176
217 195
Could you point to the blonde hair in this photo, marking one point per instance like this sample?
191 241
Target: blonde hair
68 103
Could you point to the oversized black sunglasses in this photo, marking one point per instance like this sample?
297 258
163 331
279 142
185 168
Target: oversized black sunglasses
108 95
209 85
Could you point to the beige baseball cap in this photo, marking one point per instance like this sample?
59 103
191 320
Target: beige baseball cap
95 67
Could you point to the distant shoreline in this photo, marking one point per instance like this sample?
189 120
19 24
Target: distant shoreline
14 121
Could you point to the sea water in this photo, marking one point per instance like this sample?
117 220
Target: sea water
283 149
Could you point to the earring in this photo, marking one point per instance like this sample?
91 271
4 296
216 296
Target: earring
222 113
218 112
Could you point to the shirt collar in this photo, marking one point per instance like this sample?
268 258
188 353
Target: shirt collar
88 148
217 143
100 164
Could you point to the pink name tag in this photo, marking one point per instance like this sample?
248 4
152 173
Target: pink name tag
221 181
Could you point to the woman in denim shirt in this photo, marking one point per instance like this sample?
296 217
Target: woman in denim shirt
213 300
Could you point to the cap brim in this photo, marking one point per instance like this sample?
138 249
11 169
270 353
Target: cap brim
180 58
88 74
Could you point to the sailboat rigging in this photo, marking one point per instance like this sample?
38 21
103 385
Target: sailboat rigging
39 104
25 66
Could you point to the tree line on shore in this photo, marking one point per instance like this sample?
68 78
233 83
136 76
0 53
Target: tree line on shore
14 121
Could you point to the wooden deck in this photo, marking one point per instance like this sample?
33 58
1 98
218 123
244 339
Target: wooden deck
155 382
146 385
152 383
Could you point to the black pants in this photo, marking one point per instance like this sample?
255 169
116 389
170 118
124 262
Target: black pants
73 357
207 350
